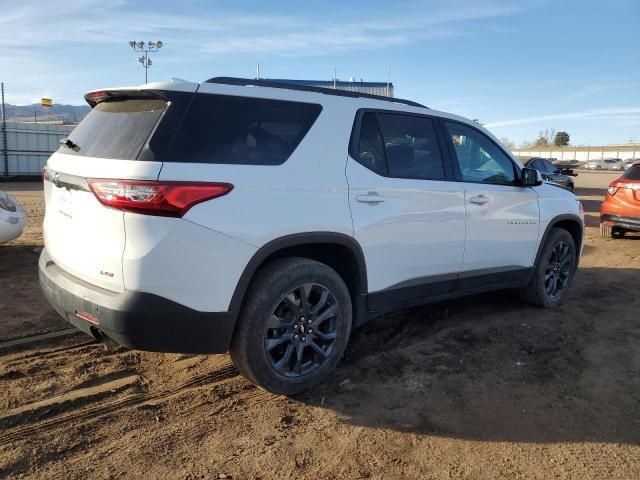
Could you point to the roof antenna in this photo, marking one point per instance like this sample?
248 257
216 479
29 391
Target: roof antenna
257 71
335 78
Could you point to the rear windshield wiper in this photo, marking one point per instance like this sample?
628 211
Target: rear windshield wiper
70 144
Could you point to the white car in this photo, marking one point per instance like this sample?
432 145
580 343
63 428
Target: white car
269 219
13 218
605 164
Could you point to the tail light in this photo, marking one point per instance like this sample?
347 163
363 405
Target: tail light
168 199
615 185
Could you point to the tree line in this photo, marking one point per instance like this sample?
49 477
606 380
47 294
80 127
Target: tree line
545 138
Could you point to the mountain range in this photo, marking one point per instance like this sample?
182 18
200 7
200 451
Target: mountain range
67 113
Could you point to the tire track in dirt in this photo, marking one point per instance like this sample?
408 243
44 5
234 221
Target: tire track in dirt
15 358
29 340
22 432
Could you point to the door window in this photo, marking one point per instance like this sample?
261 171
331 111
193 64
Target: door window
400 146
535 164
370 147
411 147
549 167
480 159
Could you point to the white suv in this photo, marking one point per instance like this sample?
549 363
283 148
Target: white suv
269 219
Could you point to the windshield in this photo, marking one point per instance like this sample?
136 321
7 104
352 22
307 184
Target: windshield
115 129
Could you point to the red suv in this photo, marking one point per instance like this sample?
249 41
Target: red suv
620 211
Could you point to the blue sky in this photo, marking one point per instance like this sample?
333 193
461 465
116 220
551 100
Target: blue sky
519 67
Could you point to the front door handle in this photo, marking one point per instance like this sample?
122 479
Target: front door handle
371 197
479 199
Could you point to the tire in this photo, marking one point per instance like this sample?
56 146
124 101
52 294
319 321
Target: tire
555 267
611 232
570 187
617 232
274 326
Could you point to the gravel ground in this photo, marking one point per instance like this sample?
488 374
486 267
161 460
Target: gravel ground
483 387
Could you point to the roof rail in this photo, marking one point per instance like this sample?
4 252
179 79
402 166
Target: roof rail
307 88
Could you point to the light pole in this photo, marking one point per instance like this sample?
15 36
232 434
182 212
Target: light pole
146 48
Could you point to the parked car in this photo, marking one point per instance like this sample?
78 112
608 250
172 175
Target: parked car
566 165
551 173
620 211
605 164
270 219
13 218
630 161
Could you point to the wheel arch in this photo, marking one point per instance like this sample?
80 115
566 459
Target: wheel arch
570 223
339 251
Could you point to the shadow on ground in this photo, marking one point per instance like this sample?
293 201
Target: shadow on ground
491 368
23 309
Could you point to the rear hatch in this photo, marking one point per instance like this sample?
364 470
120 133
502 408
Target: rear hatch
123 137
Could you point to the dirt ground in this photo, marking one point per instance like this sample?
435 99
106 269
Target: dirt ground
484 387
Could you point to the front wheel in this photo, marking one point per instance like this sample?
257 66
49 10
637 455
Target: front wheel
294 326
554 271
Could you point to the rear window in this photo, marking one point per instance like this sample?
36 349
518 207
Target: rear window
116 128
633 173
241 130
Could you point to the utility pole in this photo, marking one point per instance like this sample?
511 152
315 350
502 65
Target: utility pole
146 48
388 81
4 134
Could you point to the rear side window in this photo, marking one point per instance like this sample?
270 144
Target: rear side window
116 128
411 146
370 146
633 173
241 130
400 146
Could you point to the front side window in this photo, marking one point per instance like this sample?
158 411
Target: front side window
241 130
549 167
480 160
411 146
535 164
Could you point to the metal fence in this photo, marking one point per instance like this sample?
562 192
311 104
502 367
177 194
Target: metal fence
27 146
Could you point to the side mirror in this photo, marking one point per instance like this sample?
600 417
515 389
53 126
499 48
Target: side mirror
530 177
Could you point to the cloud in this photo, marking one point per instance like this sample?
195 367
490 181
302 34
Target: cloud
234 32
619 84
67 45
598 113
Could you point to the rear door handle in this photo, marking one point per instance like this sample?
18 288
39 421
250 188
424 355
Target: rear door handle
479 199
371 197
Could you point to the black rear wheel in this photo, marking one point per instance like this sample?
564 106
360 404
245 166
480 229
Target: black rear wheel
294 326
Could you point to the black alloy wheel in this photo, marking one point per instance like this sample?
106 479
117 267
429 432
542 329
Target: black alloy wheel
558 271
301 331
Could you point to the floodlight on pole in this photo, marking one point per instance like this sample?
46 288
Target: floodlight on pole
146 48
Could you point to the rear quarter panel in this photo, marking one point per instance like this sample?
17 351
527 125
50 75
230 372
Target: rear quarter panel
308 193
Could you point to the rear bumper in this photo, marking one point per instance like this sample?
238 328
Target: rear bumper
628 223
136 320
